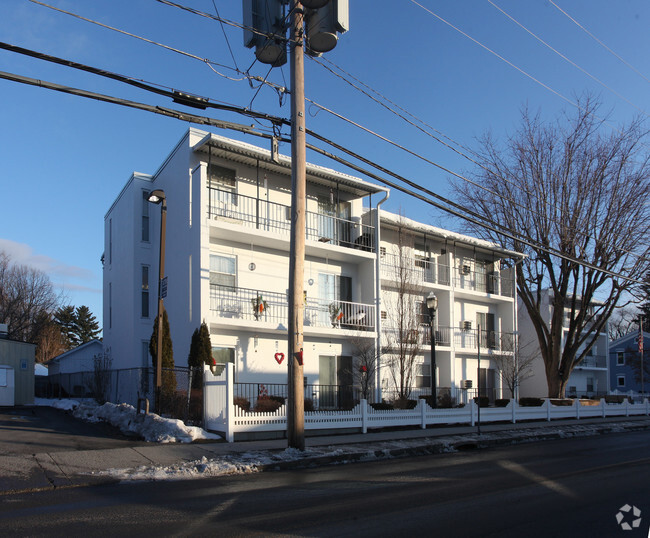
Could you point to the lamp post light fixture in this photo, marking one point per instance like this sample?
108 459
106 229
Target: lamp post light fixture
158 197
432 306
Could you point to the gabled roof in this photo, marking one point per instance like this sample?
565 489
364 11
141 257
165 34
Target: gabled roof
76 349
630 337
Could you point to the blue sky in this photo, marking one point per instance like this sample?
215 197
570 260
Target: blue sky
64 159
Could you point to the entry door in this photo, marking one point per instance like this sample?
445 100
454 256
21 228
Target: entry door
335 380
7 386
486 381
488 334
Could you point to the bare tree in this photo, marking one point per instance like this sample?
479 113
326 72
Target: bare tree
622 322
515 369
575 189
365 365
403 342
51 343
27 297
100 377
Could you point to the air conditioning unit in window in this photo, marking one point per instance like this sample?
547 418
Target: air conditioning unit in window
466 325
465 270
466 384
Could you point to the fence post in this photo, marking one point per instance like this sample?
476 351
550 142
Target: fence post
627 407
423 413
603 403
228 408
547 403
364 416
578 405
647 406
513 403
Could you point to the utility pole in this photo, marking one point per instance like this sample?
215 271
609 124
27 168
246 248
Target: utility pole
296 409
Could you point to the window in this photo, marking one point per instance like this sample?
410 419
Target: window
110 241
145 216
382 251
110 305
223 356
422 375
620 380
620 358
223 270
224 182
146 361
590 384
145 292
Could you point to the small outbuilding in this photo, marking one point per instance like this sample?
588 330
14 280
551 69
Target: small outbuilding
70 373
16 371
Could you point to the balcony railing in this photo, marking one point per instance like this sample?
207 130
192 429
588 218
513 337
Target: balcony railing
482 282
494 340
418 270
593 361
270 216
262 305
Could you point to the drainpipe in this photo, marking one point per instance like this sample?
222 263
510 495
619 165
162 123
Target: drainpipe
378 300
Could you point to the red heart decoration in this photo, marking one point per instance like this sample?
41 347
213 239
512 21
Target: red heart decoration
279 357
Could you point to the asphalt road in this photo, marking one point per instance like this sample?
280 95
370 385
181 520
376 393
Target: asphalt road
569 487
32 430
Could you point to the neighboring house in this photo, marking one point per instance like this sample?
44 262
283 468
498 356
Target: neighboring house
71 371
622 353
589 378
16 371
227 262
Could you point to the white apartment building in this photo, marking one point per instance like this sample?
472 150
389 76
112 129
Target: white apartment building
473 290
227 260
590 376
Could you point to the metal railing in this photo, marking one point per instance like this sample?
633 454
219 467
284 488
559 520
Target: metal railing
419 270
317 397
262 305
492 283
493 340
274 217
420 336
468 339
592 361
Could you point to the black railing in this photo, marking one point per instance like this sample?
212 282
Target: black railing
274 217
317 397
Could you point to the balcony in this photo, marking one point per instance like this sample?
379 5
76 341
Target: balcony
273 217
592 361
272 307
466 279
468 339
416 270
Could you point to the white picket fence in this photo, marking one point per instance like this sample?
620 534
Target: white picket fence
222 416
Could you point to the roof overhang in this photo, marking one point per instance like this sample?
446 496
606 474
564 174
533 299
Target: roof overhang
250 155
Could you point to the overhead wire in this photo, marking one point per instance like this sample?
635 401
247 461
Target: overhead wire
565 58
600 42
469 215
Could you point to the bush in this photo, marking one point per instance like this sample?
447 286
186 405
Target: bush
501 402
402 403
484 401
382 406
531 402
309 404
243 403
279 399
615 398
266 405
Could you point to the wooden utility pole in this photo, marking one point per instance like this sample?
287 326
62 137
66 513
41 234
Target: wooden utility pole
295 404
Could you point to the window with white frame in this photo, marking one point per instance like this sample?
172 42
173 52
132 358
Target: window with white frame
620 380
620 358
422 375
223 181
144 292
223 270
145 216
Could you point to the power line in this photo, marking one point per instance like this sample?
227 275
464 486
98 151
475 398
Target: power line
458 210
567 59
599 41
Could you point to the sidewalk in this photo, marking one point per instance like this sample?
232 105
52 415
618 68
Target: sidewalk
46 471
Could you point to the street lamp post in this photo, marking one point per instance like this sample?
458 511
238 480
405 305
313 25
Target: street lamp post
432 306
158 197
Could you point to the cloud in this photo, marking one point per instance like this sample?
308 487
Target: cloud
57 270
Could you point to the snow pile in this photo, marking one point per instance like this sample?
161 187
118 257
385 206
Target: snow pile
150 427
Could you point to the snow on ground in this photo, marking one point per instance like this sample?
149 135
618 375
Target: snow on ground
150 427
